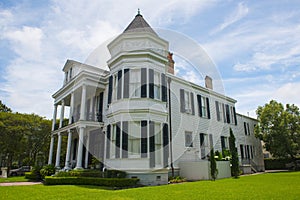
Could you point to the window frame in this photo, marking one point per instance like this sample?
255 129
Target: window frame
188 135
135 85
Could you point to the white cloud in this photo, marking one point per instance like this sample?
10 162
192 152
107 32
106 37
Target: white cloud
26 42
288 93
240 12
42 41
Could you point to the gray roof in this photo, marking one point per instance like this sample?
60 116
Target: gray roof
139 24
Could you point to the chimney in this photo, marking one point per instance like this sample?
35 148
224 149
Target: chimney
170 63
208 82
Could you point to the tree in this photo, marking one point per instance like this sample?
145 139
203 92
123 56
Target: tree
213 165
279 128
23 137
4 108
235 170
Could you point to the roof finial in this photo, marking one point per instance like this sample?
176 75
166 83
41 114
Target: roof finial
139 12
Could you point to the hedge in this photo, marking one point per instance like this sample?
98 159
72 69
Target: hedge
31 176
276 163
109 182
92 173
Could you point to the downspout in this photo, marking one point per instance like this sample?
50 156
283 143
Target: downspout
170 126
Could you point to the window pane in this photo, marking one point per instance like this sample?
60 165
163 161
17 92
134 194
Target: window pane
188 139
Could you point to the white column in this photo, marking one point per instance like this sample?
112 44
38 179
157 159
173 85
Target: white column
83 103
80 149
51 150
54 117
67 163
57 162
87 150
71 108
62 113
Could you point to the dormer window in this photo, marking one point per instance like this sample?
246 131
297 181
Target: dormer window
70 74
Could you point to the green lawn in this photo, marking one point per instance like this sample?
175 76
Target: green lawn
264 186
13 179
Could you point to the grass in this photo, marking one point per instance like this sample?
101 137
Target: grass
13 179
264 186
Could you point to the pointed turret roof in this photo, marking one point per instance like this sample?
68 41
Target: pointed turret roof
139 24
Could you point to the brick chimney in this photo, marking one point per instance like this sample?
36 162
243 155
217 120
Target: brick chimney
208 82
170 63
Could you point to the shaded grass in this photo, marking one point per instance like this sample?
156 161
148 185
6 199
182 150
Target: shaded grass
264 186
14 179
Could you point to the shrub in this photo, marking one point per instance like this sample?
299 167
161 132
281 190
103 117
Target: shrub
47 170
176 179
30 176
114 174
109 182
276 163
34 175
80 173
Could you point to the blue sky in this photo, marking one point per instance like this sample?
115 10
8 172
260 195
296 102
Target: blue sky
255 45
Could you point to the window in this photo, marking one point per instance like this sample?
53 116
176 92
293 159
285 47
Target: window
188 139
203 145
219 110
158 143
246 128
134 140
186 102
115 87
70 74
232 115
242 151
135 83
224 142
113 142
204 107
66 77
156 85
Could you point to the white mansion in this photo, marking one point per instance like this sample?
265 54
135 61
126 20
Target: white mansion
139 117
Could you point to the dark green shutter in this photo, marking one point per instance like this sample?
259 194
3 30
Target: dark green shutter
151 83
126 83
208 109
199 105
218 111
165 145
118 138
110 86
119 93
152 143
235 120
144 136
163 88
228 114
125 139
100 110
108 141
182 102
144 82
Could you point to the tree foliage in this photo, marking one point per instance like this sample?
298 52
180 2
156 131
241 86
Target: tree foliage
279 128
23 138
235 170
4 108
213 165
